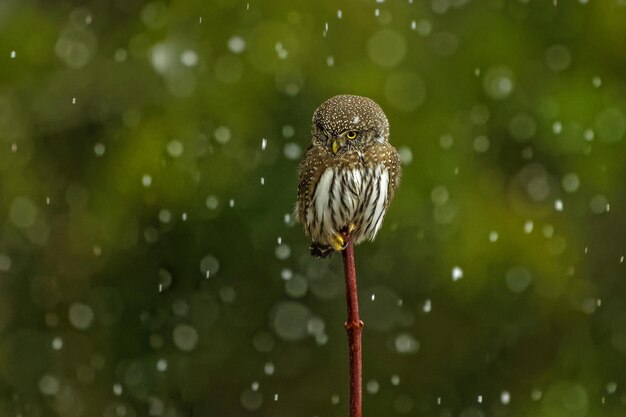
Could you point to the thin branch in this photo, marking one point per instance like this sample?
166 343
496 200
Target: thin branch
354 327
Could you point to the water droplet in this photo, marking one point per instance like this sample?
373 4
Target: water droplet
493 236
517 279
74 100
5 262
117 389
597 82
57 343
161 365
175 148
427 307
498 82
334 399
165 215
211 202
558 205
282 251
263 144
268 368
189 58
80 315
372 386
185 337
13 54
146 180
405 343
457 273
49 385
395 380
290 320
505 397
222 134
99 149
528 226
209 265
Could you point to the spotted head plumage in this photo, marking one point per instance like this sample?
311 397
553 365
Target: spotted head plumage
348 175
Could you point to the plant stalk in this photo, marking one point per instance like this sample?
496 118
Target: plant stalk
354 327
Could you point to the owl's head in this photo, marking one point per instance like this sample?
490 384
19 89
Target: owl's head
346 122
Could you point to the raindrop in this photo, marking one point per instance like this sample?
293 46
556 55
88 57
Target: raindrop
117 389
535 394
5 262
439 195
395 380
339 14
406 155
522 126
428 306
558 205
262 180
74 100
209 265
268 368
596 82
288 131
292 150
571 182
49 385
57 343
211 202
161 365
222 134
334 400
290 319
263 144
498 82
505 397
406 343
80 315
480 399
185 337
493 236
386 48
528 226
175 148
189 58
599 204
13 54
146 180
236 44
372 386
557 127
517 279
282 251
457 273
231 203
165 215
99 149
558 58
330 61
23 212
481 144
446 141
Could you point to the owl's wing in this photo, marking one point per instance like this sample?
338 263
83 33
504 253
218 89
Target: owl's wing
384 153
392 163
310 169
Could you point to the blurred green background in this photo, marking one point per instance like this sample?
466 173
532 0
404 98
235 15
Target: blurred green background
149 264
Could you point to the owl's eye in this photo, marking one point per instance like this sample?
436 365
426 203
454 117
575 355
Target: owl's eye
351 134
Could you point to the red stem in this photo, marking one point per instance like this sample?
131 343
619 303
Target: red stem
354 327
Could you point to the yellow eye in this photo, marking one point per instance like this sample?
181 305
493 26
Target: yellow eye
351 134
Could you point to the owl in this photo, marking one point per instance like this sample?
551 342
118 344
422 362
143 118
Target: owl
348 175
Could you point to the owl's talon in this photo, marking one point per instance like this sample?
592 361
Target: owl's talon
339 243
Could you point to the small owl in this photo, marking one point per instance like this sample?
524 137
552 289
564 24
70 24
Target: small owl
348 175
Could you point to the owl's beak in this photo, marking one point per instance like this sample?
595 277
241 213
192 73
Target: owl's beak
337 143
